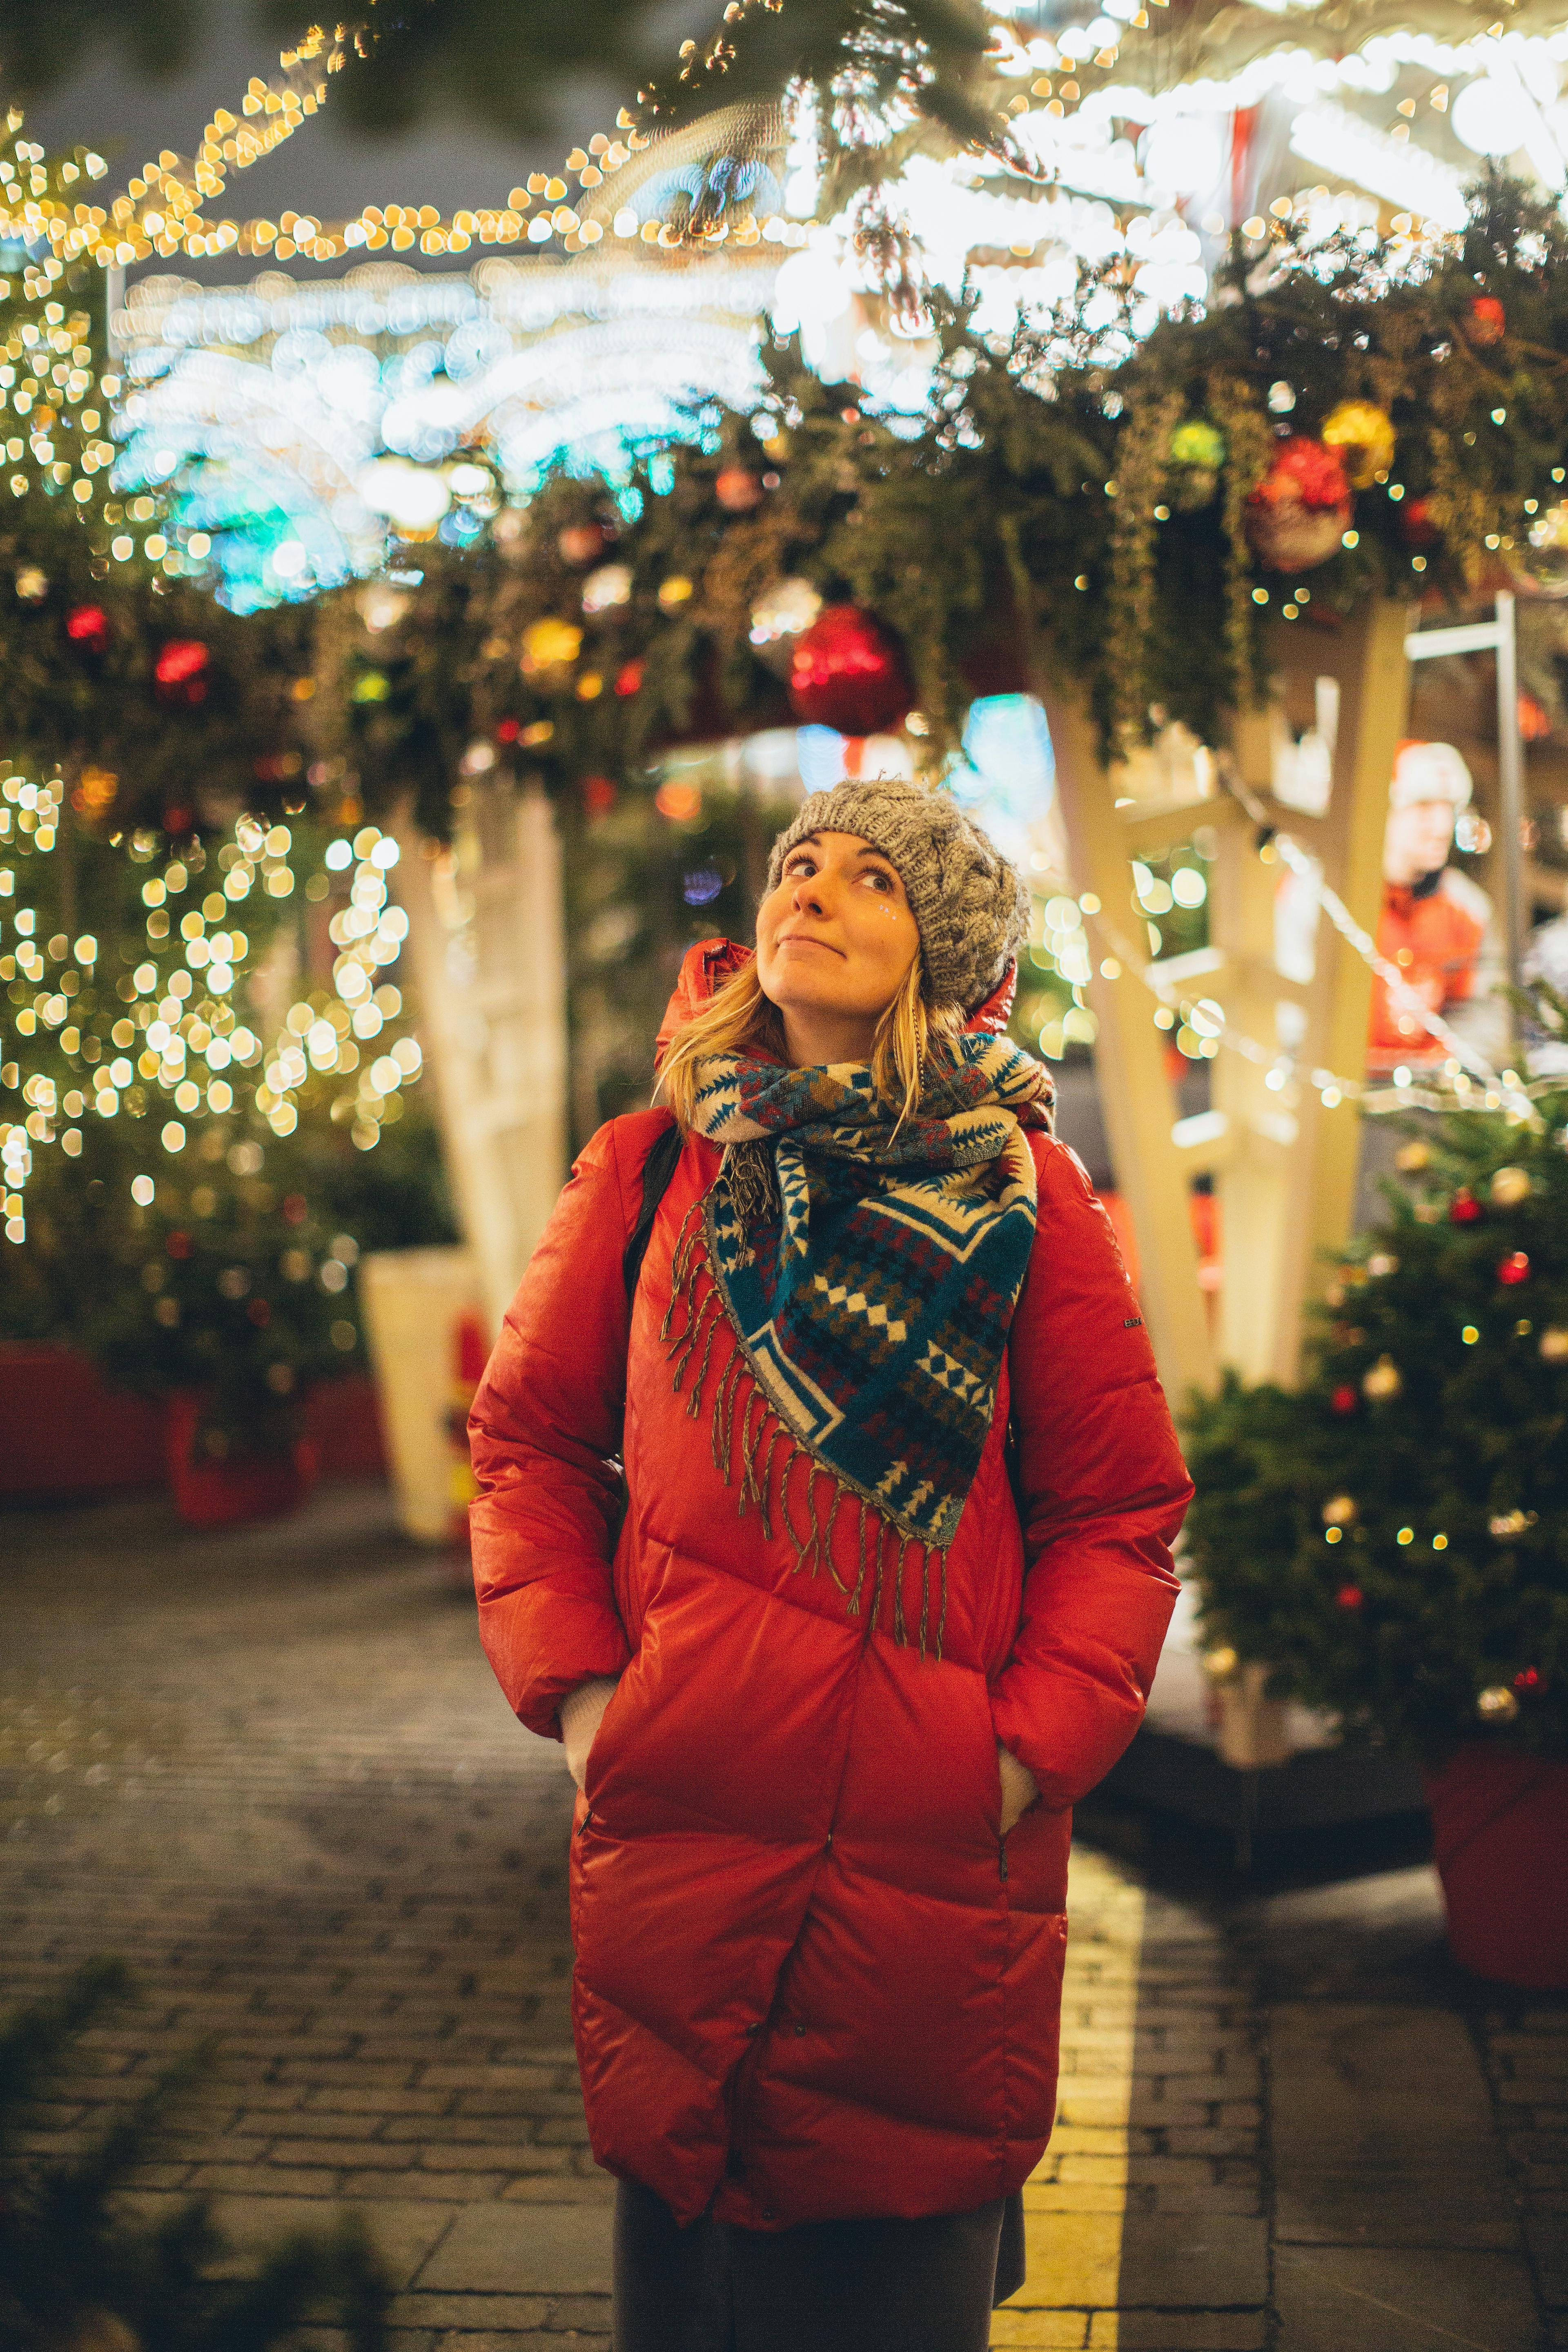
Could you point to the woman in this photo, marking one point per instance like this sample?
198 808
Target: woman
830 1693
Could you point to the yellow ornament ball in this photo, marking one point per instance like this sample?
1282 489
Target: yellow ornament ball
1410 1158
1220 1665
1497 1704
1510 1186
1554 1344
549 644
1339 1510
1384 1380
1363 435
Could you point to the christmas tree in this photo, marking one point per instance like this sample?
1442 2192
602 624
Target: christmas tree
1392 1538
199 1079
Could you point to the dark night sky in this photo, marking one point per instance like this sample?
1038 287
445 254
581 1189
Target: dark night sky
325 169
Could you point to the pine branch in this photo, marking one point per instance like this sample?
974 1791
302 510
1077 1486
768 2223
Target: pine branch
33 2044
65 2254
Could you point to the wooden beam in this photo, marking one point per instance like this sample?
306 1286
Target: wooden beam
1314 1184
1135 1092
486 935
1149 833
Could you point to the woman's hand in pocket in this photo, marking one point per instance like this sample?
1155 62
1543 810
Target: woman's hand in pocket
580 1713
1018 1787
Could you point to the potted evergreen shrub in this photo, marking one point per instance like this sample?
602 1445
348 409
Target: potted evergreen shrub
1391 1540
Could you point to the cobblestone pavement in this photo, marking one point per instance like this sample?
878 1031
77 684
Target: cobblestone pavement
270 1769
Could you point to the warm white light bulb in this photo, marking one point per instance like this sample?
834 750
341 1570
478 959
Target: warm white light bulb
1488 118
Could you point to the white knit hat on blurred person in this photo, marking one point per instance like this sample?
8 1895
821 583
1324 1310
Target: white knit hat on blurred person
1428 771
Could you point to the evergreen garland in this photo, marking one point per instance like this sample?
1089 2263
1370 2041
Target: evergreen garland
1047 511
1391 1537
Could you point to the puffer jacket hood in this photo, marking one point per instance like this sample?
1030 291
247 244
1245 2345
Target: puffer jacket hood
812 1979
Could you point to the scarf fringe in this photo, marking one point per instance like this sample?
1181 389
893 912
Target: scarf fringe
747 1437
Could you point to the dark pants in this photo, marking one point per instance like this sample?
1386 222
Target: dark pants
873 2286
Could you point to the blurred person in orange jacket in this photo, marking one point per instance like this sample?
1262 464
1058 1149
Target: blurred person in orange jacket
1435 923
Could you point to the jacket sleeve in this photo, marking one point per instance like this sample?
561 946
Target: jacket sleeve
1101 1492
546 1419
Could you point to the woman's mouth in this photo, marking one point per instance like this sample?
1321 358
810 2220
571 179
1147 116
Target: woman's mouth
801 939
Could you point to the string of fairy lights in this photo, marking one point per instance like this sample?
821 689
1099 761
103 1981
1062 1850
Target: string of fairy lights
1204 1029
165 208
164 1035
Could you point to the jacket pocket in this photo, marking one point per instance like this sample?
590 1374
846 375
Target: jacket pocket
602 1743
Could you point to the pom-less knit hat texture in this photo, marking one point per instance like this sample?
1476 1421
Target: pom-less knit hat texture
970 906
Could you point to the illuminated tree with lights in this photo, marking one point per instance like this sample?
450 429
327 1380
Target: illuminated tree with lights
1389 1540
186 1185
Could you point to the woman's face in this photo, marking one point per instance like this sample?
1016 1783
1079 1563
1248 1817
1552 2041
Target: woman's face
836 938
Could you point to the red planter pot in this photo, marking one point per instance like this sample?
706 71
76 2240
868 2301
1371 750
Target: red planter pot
66 1433
209 1494
1500 1836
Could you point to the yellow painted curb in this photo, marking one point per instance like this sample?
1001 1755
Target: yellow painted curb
1075 2201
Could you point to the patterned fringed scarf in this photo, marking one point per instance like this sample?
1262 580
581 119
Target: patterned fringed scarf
871 1278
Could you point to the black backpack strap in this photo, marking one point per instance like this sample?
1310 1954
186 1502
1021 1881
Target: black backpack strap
657 1169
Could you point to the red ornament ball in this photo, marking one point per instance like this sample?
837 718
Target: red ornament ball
1513 1268
1305 469
178 670
846 672
1300 510
629 678
88 627
1344 1399
598 799
1464 1209
737 489
1349 1596
1527 1679
1417 525
582 542
1488 320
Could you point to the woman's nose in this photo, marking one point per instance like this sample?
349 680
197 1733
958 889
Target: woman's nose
809 893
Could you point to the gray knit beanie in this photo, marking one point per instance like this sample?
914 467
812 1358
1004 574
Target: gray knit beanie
970 907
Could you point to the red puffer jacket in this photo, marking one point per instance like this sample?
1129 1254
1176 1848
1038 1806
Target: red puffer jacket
811 1979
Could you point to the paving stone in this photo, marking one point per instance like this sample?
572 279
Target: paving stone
1395 2208
1547 2236
1195 2262
524 2250
1038 2331
509 2312
1179 2331
1329 2298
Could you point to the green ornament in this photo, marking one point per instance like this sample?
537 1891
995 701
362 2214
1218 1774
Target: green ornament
1197 451
1198 443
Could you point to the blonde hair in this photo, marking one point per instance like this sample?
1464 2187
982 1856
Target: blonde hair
740 1018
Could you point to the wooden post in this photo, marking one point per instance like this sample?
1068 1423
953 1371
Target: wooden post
1262 1125
1316 1175
1135 1092
486 935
